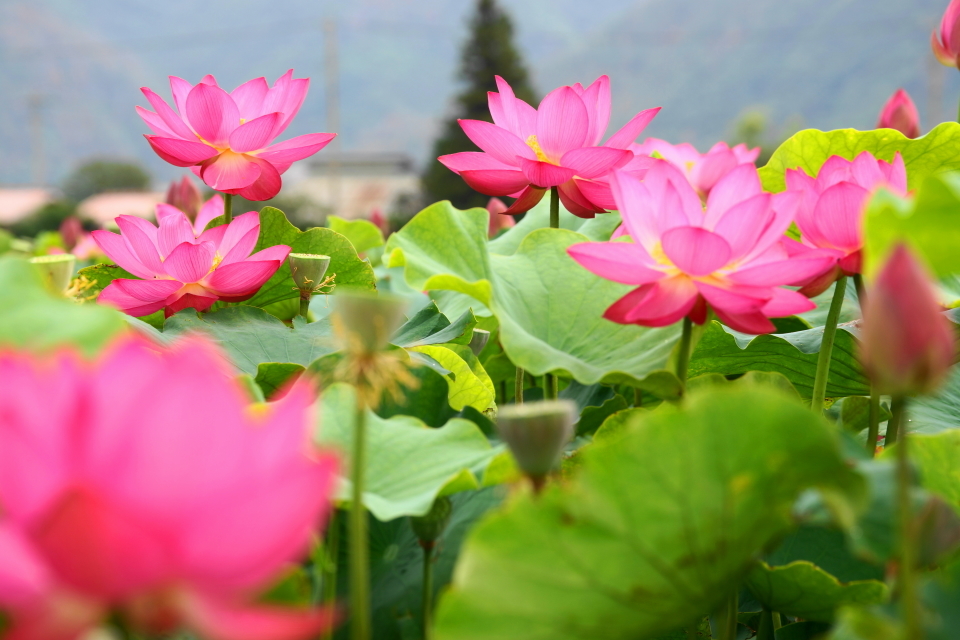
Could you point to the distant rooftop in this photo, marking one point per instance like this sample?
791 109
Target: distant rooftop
17 203
103 208
358 163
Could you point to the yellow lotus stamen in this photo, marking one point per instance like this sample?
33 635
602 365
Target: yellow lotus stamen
533 144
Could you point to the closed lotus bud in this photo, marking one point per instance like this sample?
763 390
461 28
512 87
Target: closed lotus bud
71 230
498 221
430 526
308 270
900 113
185 195
479 341
368 319
907 343
946 41
56 270
536 433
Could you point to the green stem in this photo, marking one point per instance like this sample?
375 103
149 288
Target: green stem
776 620
228 207
427 591
359 562
826 346
873 430
858 285
894 425
909 602
304 306
555 208
691 633
727 617
331 553
767 631
683 357
518 387
637 397
550 386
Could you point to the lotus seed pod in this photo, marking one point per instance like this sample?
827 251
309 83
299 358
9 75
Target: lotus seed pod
430 526
369 319
56 271
536 433
308 270
479 340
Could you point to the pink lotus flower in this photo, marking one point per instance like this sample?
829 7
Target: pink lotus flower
498 220
703 170
833 205
184 266
907 343
731 257
900 113
946 43
224 137
527 151
143 487
184 195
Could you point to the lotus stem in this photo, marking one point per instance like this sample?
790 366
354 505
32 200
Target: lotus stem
331 551
359 561
766 630
909 602
304 306
554 207
518 386
727 617
826 346
894 424
550 386
637 397
873 430
228 207
683 357
427 609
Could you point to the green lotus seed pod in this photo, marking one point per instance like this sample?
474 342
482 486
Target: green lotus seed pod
308 269
536 433
479 340
369 318
429 527
56 271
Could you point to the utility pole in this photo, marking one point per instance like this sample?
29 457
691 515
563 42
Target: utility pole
935 78
332 72
38 169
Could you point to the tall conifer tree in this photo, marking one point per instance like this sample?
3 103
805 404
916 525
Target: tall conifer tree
488 52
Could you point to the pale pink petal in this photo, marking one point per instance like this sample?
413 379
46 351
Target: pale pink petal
839 215
735 299
739 184
255 134
155 123
655 305
116 249
743 223
141 238
798 180
266 186
286 96
190 262
180 153
865 171
499 143
575 202
285 153
595 162
238 229
618 261
754 323
786 302
786 272
836 169
249 98
230 171
212 114
165 210
211 209
497 182
112 295
896 175
24 576
276 252
242 277
473 161
596 98
562 123
180 89
636 207
506 106
527 199
216 619
630 131
214 235
544 174
714 165
174 230
666 182
598 192
695 251
170 118
148 290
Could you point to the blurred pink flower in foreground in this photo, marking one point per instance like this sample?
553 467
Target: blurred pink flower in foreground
900 113
907 343
224 137
142 487
184 266
946 42
833 206
703 170
527 151
496 208
683 259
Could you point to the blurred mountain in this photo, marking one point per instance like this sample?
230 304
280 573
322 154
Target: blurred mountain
833 62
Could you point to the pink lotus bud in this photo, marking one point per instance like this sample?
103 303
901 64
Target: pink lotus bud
900 113
376 217
497 221
71 231
908 344
946 42
185 195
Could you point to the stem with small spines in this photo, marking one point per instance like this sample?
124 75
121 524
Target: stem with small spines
826 346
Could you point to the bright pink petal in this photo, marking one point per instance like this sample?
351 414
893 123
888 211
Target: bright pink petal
738 185
753 323
240 238
255 134
866 172
743 223
527 199
285 153
562 123
148 290
655 305
473 161
544 174
696 251
499 143
24 576
187 301
286 96
503 107
243 277
230 171
212 208
598 192
794 271
276 252
216 619
249 98
713 167
113 295
190 262
174 230
497 182
896 174
180 89
212 114
786 302
595 162
636 207
141 238
155 123
266 186
180 153
170 118
617 261
575 202
839 215
596 98
116 249
735 299
630 131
